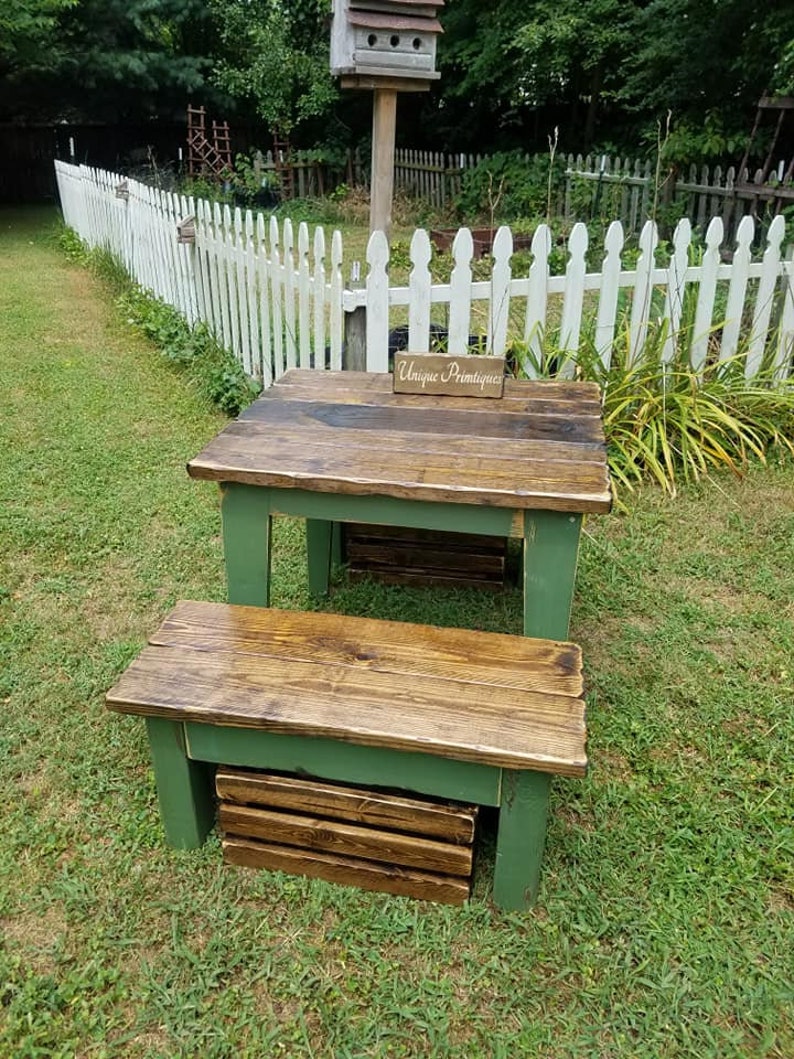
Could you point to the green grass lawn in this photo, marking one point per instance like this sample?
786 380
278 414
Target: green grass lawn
664 925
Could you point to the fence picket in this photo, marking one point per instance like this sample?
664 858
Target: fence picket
288 286
336 324
676 285
706 294
241 255
643 290
537 300
499 306
784 352
460 293
318 304
765 297
304 296
251 298
275 289
737 290
608 299
571 322
419 285
378 303
265 293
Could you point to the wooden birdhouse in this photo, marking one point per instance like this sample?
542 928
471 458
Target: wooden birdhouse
385 38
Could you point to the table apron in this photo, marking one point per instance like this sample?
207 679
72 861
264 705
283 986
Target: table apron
331 759
394 511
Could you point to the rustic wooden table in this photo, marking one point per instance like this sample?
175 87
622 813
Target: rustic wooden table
341 447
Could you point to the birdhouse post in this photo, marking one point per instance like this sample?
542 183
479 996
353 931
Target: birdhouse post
387 46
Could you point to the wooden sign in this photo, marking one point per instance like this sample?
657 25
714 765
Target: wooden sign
467 376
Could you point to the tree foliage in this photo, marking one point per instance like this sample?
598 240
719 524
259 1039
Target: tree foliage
610 70
102 59
606 72
27 28
276 58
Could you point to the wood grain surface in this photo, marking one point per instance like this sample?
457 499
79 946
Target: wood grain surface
508 701
351 840
540 446
375 808
367 875
395 555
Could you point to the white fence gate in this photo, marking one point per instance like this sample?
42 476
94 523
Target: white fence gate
277 302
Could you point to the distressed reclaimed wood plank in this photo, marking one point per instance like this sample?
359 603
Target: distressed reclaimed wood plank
488 725
389 553
344 839
364 874
425 578
458 655
285 429
332 383
454 823
581 406
464 542
555 486
460 712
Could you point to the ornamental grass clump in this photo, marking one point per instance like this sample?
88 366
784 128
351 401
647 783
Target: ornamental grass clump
667 422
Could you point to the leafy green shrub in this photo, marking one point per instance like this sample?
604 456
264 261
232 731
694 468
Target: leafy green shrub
509 185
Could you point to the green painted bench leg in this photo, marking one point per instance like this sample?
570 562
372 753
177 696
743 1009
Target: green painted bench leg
245 510
184 788
551 548
521 838
319 541
336 545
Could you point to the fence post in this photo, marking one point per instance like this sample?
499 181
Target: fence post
354 350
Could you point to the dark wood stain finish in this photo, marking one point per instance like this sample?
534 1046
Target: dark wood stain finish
348 433
368 875
376 839
373 808
506 701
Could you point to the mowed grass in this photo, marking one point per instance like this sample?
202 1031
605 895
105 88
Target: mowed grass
664 925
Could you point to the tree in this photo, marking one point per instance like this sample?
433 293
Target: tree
276 58
103 59
708 62
27 30
576 49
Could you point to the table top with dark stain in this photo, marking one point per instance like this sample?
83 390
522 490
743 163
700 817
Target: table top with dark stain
541 446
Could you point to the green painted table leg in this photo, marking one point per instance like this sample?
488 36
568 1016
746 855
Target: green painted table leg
319 540
184 788
521 838
551 548
245 510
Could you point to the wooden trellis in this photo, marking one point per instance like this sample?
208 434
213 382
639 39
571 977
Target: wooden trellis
207 156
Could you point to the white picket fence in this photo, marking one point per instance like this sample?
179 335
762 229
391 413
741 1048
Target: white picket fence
275 303
271 299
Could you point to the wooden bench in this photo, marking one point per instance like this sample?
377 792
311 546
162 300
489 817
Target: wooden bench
480 718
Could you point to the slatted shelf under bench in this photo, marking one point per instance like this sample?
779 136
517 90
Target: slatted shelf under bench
373 839
456 715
